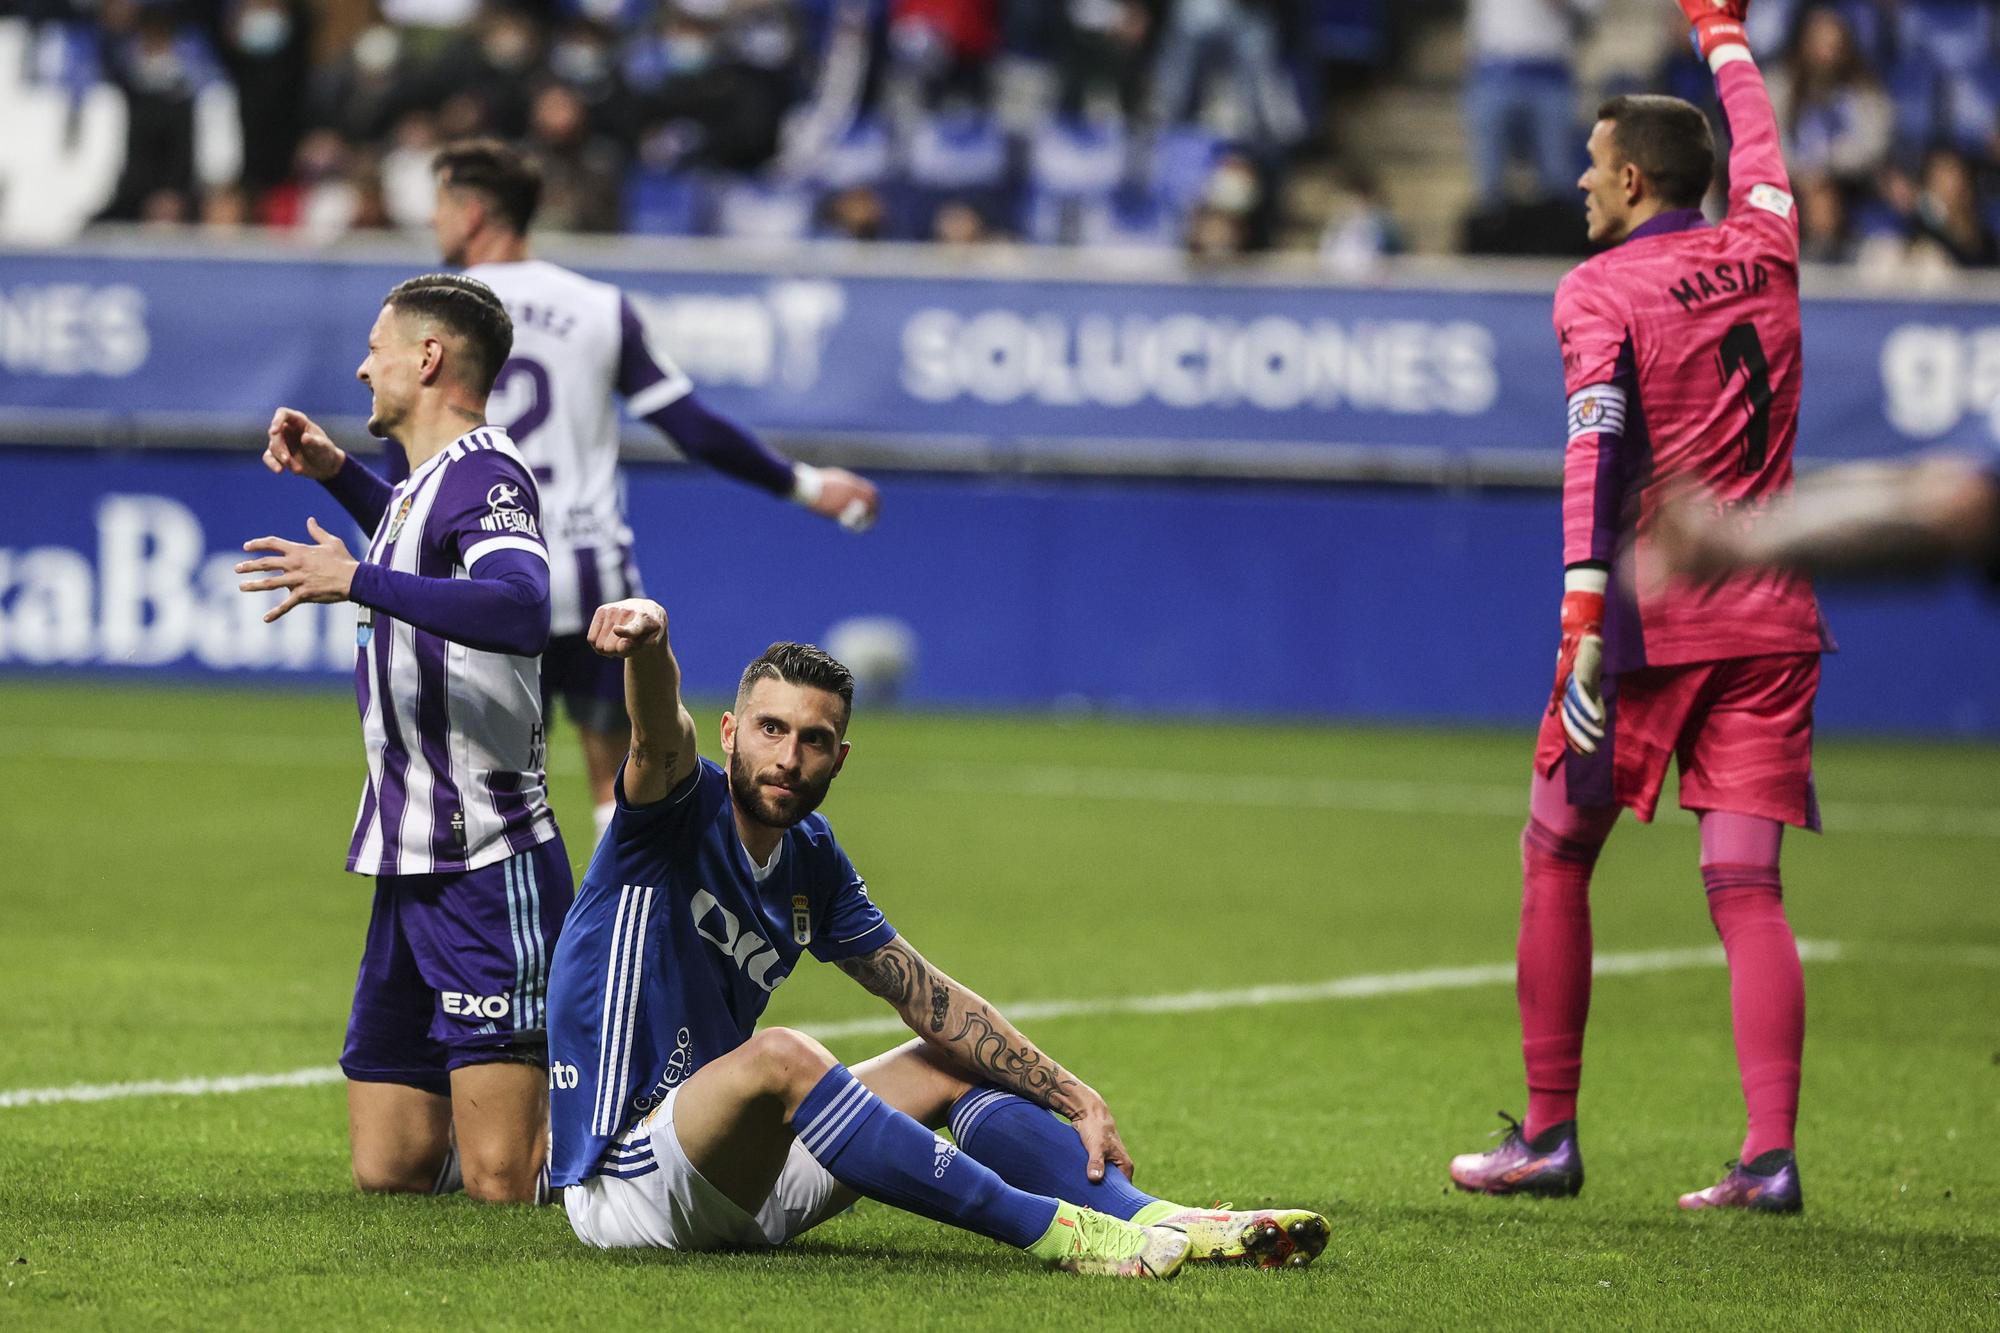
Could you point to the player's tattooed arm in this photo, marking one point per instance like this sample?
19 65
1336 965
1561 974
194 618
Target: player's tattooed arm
949 1015
663 749
987 1047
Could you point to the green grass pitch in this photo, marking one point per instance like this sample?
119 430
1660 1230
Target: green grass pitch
171 905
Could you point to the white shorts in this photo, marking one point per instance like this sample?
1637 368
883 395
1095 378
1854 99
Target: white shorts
658 1200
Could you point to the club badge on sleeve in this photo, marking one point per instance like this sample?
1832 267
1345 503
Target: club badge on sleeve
802 928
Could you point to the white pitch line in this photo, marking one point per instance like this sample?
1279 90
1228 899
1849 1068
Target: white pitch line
1363 987
1360 795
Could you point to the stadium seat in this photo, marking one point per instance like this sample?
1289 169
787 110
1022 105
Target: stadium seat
956 154
1972 109
1353 32
1957 34
764 209
666 203
1074 166
862 155
1913 85
1180 165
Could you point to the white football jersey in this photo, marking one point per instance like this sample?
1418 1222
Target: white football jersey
453 733
578 347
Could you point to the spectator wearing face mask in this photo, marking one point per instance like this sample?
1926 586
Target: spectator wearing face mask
492 67
706 99
182 127
266 46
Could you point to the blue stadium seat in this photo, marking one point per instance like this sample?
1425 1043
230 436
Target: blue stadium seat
1956 34
862 155
666 203
764 209
1972 109
1181 163
1913 85
1354 32
1074 167
959 154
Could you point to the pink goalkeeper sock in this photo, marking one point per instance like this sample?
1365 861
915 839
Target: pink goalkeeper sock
1552 970
1767 996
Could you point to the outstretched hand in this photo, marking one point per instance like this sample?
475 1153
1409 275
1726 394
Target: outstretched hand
620 629
295 444
316 571
848 499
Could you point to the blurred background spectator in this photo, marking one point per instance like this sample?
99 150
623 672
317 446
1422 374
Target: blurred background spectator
1354 128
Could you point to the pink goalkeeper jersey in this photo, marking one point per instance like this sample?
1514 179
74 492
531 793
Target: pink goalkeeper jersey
1681 359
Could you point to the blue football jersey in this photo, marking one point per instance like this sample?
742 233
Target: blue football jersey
672 950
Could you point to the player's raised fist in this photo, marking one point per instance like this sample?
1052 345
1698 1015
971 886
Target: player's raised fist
296 444
620 629
1716 23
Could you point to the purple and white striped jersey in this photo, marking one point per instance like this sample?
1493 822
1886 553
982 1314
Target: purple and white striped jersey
578 345
453 733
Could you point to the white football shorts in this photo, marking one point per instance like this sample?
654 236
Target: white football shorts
650 1196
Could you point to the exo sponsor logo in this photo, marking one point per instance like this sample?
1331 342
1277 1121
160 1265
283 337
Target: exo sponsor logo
562 1077
474 1006
742 946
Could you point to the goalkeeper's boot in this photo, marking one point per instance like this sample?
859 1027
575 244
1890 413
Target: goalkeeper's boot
1105 1246
1767 1184
1265 1237
1549 1166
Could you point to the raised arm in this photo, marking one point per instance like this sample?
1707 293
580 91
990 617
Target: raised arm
955 1020
657 391
663 749
1759 187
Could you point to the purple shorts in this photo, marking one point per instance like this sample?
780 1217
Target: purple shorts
591 687
455 971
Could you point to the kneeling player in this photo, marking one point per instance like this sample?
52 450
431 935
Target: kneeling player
673 1126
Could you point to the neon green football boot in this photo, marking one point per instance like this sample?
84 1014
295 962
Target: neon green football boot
1265 1237
1081 1240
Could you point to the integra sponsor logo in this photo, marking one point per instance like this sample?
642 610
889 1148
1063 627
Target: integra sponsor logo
1703 285
1274 362
153 593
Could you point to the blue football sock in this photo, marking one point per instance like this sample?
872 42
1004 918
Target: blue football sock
877 1151
1034 1150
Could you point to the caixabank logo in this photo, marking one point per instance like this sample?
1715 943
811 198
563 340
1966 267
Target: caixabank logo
149 587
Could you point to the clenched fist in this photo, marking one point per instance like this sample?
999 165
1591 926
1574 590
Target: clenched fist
620 629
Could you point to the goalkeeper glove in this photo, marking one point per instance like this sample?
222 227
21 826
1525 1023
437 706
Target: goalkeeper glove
1716 23
1578 695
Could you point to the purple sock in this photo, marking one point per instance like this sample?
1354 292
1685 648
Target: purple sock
877 1151
1032 1149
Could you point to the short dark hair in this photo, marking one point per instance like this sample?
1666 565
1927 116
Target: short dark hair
505 177
1668 140
467 307
800 664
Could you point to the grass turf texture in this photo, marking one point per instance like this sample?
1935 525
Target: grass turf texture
174 907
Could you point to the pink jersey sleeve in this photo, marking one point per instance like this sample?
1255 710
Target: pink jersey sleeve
1760 192
1596 344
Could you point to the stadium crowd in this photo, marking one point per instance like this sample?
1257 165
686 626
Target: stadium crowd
1139 122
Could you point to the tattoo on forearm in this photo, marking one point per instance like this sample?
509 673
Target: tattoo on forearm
1012 1061
893 972
940 1006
